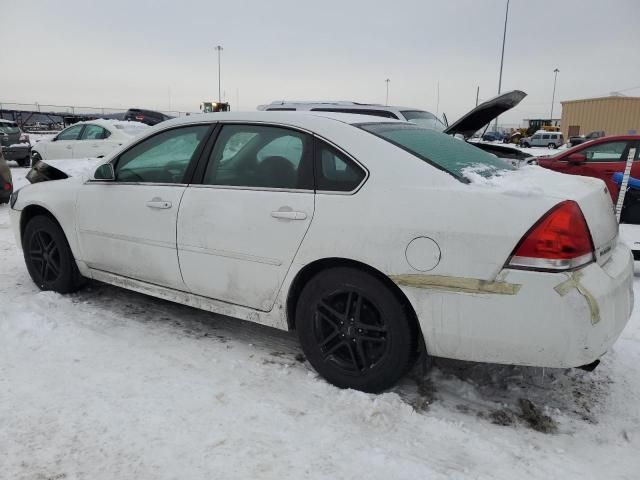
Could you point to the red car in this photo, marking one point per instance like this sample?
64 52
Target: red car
599 158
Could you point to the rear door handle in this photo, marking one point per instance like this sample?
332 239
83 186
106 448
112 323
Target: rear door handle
157 203
289 215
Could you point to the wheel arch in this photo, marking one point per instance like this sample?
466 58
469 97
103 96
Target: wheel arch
31 211
310 270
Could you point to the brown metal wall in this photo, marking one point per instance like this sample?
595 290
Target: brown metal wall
614 115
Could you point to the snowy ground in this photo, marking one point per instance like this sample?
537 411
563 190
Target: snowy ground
109 384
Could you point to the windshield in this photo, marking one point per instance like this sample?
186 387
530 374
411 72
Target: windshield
132 129
424 119
443 151
9 127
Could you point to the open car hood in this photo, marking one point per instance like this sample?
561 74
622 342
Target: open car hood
484 113
46 170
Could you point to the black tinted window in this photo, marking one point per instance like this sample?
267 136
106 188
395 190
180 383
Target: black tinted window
70 133
260 156
334 171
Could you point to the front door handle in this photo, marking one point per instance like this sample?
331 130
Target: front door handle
158 203
289 215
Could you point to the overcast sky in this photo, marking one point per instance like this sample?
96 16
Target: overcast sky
160 54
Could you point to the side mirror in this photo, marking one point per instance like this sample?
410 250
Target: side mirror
105 173
576 158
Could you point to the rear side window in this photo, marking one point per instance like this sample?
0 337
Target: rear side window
94 132
261 157
442 151
545 137
70 133
334 171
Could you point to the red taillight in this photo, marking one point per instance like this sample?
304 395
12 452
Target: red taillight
6 187
560 240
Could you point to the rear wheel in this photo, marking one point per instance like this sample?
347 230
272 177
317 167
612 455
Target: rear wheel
23 162
48 257
354 331
551 146
35 157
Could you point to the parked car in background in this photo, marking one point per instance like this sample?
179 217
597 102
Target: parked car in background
262 216
6 182
542 138
578 139
95 138
14 143
492 137
599 158
148 117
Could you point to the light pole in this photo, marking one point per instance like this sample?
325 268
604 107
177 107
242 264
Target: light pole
386 102
553 97
219 49
504 37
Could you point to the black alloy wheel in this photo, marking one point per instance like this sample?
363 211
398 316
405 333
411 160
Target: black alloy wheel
349 331
354 330
48 256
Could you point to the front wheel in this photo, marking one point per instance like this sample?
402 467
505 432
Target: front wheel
48 256
23 162
354 331
551 146
526 145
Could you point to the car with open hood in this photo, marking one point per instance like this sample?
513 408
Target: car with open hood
375 240
466 126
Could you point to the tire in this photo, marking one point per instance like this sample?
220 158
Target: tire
552 146
24 162
526 145
354 331
35 157
48 257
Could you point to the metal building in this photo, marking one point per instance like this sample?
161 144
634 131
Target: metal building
615 115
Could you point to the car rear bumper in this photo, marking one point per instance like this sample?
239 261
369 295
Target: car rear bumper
17 152
534 318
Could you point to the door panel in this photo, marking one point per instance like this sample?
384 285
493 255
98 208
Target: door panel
128 226
120 233
234 245
239 232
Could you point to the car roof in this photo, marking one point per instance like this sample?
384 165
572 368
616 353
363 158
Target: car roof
303 119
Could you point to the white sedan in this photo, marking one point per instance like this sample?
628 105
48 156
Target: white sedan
376 240
95 138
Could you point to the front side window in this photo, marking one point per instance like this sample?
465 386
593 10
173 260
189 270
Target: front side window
424 119
163 158
442 151
70 133
334 171
262 157
605 152
536 137
94 132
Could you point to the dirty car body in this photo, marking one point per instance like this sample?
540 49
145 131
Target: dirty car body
238 213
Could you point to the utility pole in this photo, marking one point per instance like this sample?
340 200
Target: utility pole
504 37
386 102
219 49
553 97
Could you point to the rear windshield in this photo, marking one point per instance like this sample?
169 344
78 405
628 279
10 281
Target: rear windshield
445 152
6 127
424 119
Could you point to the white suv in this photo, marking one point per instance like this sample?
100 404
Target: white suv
543 138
